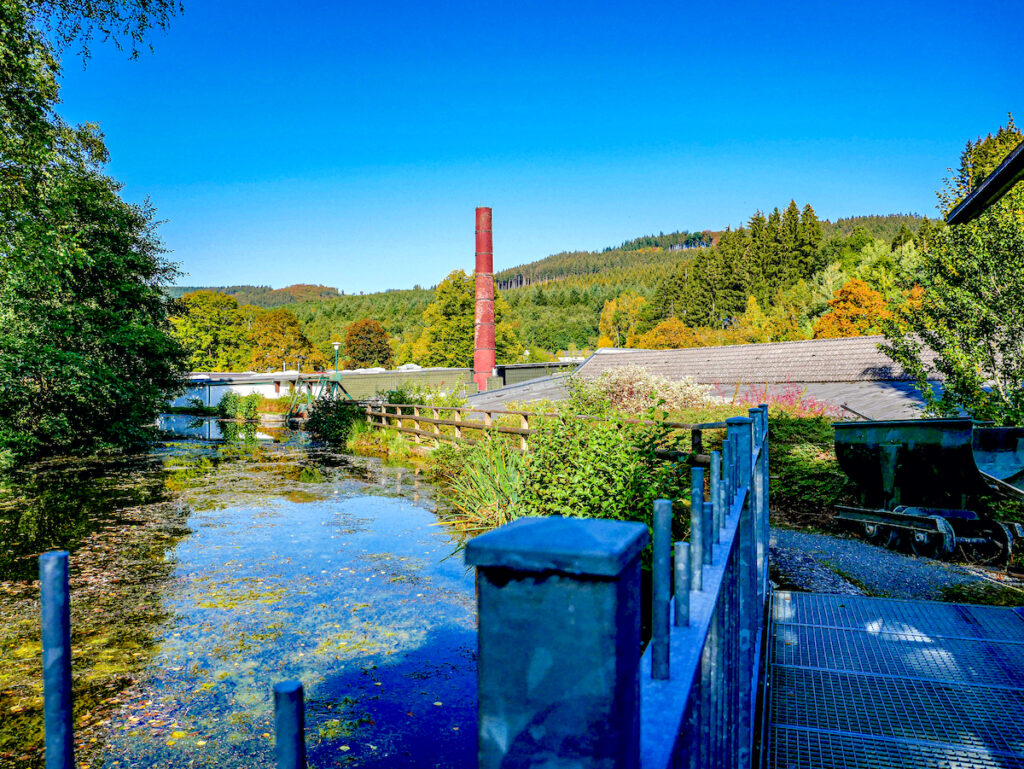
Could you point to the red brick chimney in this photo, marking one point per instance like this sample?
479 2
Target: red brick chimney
483 330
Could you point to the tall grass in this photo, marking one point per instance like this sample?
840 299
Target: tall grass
481 482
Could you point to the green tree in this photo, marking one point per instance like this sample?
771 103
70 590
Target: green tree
969 324
86 354
277 340
213 330
367 344
447 338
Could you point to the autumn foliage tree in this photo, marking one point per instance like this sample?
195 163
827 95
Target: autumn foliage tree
855 310
619 319
212 330
366 344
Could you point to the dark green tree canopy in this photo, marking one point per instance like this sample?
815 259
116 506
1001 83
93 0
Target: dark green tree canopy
86 357
366 344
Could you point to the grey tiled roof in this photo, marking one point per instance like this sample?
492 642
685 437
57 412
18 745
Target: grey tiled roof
852 359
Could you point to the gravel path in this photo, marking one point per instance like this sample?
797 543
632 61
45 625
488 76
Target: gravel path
822 563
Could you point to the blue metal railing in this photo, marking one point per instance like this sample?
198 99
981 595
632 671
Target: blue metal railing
703 714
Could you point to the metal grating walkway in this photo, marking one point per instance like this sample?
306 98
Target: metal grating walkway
869 683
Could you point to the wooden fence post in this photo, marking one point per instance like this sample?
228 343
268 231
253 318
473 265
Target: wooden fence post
458 418
524 423
437 428
416 422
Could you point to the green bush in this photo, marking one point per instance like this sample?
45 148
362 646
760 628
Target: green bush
235 406
807 482
331 419
597 470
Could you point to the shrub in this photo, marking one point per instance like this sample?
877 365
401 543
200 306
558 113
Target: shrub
331 420
790 399
274 405
596 470
235 406
807 482
634 390
423 395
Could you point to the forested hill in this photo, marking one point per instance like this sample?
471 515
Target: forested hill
264 296
588 264
662 252
883 227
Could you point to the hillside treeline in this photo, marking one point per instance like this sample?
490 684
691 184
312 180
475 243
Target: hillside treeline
771 279
263 296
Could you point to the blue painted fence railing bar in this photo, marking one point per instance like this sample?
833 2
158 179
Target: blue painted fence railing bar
55 599
661 588
696 531
289 725
681 603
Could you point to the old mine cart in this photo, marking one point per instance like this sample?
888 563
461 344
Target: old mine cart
931 484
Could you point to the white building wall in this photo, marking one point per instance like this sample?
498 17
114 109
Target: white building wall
210 394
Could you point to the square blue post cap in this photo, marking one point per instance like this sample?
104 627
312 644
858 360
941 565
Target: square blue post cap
581 546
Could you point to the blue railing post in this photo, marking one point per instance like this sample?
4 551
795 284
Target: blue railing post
757 499
55 598
740 432
682 594
661 573
289 725
697 528
559 642
717 504
763 472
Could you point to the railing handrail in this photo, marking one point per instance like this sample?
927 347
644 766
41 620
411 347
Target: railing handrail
558 415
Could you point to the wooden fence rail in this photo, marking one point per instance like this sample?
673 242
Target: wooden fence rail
396 415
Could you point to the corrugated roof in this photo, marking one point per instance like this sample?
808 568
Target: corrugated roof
851 359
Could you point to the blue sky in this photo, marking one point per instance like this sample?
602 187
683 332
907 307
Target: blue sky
348 143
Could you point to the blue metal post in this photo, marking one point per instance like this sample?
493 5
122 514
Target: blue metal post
55 597
559 643
290 725
697 528
741 440
660 577
682 596
726 459
763 470
757 499
716 476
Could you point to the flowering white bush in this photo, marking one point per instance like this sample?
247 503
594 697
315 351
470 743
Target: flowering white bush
633 389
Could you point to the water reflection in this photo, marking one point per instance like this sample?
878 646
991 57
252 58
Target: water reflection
213 429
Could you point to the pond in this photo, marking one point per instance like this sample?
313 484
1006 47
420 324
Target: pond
208 571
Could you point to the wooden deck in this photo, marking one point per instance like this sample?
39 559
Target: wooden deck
869 683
